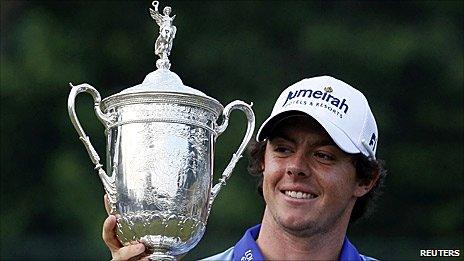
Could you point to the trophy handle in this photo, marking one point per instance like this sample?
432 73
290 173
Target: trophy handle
108 182
240 105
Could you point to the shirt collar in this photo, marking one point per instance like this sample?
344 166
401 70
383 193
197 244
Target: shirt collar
349 252
247 249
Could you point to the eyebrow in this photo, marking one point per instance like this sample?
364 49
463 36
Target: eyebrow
281 135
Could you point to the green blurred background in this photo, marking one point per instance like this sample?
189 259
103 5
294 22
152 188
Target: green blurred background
407 57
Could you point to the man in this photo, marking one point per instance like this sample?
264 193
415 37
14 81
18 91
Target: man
315 155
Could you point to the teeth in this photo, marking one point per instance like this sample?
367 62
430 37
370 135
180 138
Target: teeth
299 194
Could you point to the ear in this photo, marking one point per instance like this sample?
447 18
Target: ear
363 187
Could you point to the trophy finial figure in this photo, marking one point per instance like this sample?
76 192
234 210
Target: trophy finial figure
167 32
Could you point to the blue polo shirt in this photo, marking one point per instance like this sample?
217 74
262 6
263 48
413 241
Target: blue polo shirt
247 250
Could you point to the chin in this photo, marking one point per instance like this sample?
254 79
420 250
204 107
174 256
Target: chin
296 223
301 228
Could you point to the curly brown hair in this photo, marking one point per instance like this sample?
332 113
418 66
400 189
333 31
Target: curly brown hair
366 171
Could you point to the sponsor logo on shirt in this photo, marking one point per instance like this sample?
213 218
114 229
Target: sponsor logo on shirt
247 256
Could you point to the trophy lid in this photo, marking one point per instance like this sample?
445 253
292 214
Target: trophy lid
163 80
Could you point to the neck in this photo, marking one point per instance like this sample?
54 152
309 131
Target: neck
276 243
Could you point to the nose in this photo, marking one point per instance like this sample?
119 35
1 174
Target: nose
296 166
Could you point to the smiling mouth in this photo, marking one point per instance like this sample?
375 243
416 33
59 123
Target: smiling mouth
299 194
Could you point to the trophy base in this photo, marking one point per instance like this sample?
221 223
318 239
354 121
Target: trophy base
161 257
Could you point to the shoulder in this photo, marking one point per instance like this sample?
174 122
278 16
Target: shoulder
367 258
223 256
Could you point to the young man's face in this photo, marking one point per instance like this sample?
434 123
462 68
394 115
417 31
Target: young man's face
309 183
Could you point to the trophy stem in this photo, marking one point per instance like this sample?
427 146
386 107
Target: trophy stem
158 256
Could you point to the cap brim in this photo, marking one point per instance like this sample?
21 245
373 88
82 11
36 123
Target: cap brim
338 136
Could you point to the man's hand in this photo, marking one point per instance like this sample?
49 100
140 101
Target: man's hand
118 251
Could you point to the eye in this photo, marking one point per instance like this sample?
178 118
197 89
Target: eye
282 149
323 156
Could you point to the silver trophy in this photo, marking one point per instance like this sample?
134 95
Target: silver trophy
160 153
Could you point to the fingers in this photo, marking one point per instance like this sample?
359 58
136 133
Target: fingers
118 252
109 234
107 203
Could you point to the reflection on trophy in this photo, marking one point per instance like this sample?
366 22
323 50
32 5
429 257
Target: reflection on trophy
160 153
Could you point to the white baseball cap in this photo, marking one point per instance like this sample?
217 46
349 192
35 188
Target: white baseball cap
342 111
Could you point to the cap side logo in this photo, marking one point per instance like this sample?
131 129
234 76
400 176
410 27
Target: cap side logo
373 141
328 89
